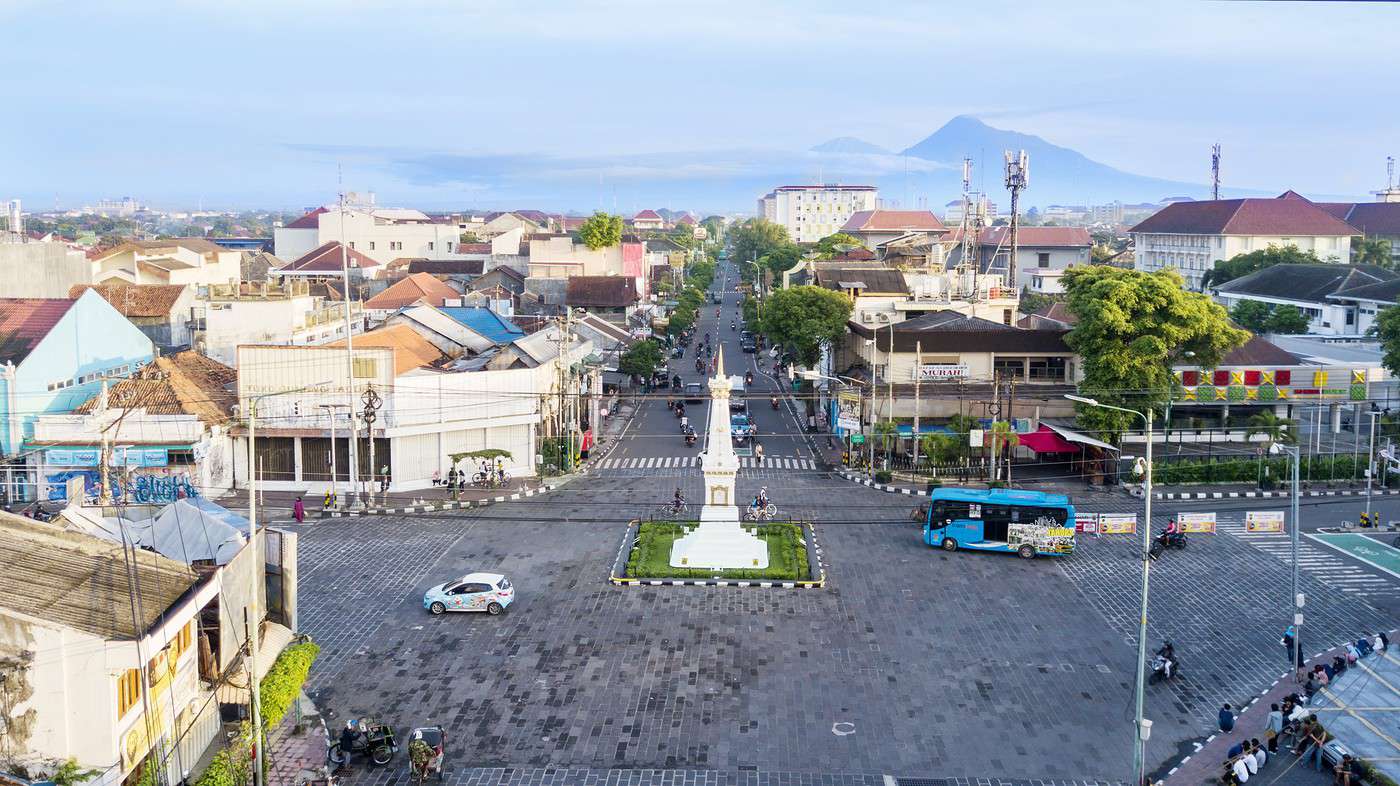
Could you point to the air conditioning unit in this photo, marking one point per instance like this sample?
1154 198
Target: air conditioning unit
883 317
867 317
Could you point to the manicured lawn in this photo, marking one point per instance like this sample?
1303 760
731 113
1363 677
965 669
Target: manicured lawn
651 559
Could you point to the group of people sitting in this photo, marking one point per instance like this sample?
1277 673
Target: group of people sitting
1322 674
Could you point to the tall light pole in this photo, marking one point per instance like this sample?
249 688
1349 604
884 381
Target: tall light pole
1143 726
1297 598
330 412
811 375
1370 468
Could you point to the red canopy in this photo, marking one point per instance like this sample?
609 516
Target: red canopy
1047 441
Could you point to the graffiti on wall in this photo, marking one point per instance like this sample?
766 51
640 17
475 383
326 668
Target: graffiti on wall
140 489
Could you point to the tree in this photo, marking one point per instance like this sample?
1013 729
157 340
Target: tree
641 359
601 230
1031 302
1287 320
1131 326
714 228
832 245
1275 429
755 238
468 237
1252 315
1244 264
1387 329
1371 251
683 235
805 319
1002 437
941 449
780 258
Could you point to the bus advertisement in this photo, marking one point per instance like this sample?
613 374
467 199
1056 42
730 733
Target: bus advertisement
1028 523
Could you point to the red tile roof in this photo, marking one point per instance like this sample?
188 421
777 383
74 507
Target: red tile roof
311 220
1371 218
145 300
326 259
186 383
416 287
892 221
1043 237
473 248
601 291
1290 215
647 215
24 321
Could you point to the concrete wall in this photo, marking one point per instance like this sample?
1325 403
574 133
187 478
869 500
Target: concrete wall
41 269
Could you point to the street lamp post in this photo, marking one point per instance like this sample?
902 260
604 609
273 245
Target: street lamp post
1297 598
1143 726
849 381
1370 466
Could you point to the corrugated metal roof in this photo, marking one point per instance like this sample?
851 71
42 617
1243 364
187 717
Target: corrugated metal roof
486 322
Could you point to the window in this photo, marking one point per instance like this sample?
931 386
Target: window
1042 259
430 245
1006 316
1009 368
1047 369
352 245
128 691
395 245
371 245
365 368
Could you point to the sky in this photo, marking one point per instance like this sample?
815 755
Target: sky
264 103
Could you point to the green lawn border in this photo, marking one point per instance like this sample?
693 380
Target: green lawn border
815 567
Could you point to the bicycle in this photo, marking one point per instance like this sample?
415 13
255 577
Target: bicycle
755 513
672 511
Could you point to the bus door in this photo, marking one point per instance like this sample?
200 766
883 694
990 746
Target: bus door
956 519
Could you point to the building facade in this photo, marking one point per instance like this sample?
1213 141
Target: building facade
810 213
383 234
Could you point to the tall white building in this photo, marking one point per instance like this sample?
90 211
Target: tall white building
382 234
810 213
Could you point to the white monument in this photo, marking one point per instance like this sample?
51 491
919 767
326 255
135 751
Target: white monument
719 541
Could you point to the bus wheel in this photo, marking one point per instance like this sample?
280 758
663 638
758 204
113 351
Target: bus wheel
950 545
1027 551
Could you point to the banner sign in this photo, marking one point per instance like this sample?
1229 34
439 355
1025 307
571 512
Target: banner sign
974 438
121 457
938 371
1117 523
1263 521
848 411
1196 522
1086 522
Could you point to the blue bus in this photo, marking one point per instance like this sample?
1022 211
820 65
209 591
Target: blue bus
1026 522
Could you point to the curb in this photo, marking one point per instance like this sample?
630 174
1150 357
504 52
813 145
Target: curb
449 505
1269 494
622 581
888 489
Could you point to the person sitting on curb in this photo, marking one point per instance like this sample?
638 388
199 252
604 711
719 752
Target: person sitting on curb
1347 772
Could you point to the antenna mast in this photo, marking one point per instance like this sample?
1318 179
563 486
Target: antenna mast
1018 173
969 230
1215 172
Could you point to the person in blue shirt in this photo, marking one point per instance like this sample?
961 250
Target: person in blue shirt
1227 719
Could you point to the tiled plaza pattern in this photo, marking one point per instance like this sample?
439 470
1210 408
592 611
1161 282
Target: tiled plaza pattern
915 649
495 776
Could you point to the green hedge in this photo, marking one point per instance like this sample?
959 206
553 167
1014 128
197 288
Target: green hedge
279 688
787 554
1330 467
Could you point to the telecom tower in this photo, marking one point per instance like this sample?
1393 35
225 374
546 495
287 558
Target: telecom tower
1391 192
1018 175
1215 172
968 264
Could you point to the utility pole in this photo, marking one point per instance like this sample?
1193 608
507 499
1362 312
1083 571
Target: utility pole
354 457
918 376
1370 465
372 403
995 412
1018 172
1297 597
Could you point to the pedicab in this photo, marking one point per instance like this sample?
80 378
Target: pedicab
426 753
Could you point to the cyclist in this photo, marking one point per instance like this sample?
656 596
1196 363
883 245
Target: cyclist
500 471
678 501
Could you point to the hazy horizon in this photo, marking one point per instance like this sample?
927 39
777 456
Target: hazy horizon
257 106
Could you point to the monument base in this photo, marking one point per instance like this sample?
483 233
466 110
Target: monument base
719 543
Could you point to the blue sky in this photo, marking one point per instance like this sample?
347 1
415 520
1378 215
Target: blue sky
257 102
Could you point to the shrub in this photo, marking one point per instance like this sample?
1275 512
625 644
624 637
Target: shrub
282 685
883 476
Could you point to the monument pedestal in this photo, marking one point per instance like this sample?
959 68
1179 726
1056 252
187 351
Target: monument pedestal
719 542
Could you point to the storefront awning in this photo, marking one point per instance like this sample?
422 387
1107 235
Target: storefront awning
1047 441
1082 439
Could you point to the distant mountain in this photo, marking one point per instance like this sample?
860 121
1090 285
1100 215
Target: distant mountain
851 146
1058 175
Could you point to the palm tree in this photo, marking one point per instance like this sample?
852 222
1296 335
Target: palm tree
1371 251
885 432
1276 430
1003 437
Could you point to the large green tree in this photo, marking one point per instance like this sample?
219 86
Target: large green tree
641 359
1131 326
1252 315
601 230
755 238
1387 329
805 319
1244 264
1371 251
1287 320
779 259
832 245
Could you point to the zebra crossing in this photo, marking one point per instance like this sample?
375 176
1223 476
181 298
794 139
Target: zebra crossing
1321 562
681 462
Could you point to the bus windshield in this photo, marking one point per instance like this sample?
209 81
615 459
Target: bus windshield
1028 523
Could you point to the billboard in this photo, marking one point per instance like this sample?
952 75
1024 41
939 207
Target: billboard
848 411
1263 521
1117 523
1196 522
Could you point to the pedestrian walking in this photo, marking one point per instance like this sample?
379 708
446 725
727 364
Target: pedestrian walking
1227 719
384 479
1289 636
299 511
758 453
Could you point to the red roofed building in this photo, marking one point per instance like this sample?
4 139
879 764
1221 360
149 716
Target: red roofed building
414 288
873 227
1043 254
648 219
1190 237
325 261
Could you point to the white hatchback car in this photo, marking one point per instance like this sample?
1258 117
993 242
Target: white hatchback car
488 592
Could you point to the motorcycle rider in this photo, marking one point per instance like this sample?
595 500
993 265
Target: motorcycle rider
774 400
748 377
733 325
1168 656
679 499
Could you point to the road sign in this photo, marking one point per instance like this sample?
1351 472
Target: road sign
1263 521
1196 522
974 438
857 439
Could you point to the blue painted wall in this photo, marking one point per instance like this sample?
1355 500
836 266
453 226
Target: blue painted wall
92 338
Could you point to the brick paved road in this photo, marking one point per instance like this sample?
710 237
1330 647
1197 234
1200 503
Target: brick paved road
944 665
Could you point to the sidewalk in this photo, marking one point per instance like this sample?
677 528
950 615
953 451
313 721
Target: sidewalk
1205 764
290 752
